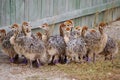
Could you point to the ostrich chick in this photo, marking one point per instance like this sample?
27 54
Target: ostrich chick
55 44
7 48
75 47
110 50
95 40
32 49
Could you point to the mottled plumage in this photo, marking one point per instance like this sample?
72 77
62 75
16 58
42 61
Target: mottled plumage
75 45
111 49
74 35
31 48
75 49
6 46
55 44
95 40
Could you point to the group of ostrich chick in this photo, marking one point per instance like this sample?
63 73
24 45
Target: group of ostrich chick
73 44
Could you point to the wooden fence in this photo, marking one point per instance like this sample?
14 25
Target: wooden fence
83 12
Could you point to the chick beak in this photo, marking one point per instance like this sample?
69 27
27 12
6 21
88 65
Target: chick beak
27 31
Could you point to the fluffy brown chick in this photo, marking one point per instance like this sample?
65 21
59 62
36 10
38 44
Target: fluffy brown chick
95 40
75 47
32 49
55 44
7 48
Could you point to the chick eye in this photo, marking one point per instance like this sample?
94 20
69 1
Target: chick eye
67 25
27 25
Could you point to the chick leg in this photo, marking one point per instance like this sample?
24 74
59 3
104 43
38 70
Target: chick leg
30 63
88 56
16 58
82 60
38 63
50 59
68 59
56 59
77 58
111 58
94 55
25 61
106 58
11 60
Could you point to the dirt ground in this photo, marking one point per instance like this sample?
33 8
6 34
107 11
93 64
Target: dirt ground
101 70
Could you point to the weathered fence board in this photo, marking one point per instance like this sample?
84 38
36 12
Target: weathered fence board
83 12
19 13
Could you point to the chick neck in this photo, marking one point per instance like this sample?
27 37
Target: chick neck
83 31
12 39
101 31
46 35
61 31
27 34
67 37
